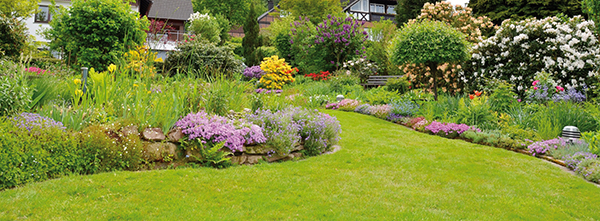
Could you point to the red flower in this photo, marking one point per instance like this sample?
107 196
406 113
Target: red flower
477 93
471 96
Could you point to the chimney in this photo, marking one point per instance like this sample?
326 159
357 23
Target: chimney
270 4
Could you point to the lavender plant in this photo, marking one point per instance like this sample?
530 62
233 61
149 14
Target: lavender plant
254 72
31 121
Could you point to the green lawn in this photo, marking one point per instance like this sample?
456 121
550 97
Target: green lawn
383 171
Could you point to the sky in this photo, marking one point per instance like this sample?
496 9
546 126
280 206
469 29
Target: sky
458 2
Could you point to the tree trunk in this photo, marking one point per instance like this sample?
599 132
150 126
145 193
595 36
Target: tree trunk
434 72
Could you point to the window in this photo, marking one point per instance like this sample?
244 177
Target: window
391 9
361 6
43 14
377 8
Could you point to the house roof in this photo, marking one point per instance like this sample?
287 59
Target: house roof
171 9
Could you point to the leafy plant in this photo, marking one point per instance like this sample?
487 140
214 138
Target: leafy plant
430 43
196 57
400 85
13 36
205 27
15 93
211 155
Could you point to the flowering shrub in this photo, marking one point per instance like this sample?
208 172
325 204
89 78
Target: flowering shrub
335 40
216 129
450 130
567 49
362 68
319 77
462 19
31 121
278 73
363 109
544 89
265 91
404 108
36 70
253 72
420 123
345 105
287 127
380 111
542 147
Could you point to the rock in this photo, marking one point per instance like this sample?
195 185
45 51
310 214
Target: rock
239 160
253 159
157 151
298 147
153 134
128 130
296 155
258 149
175 135
278 157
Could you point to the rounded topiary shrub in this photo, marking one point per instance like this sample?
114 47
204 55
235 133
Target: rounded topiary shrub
564 47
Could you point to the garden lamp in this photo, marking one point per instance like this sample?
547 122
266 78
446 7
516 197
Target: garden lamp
571 133
339 98
84 71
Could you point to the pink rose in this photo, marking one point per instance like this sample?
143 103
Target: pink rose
559 88
535 82
535 88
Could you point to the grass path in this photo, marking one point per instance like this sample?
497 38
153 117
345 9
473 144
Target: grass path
383 171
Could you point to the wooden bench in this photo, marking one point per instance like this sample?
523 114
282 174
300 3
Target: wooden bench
379 80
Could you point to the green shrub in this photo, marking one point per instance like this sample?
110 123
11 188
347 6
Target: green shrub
251 39
380 96
13 36
339 81
201 57
476 113
30 153
205 27
264 52
400 85
549 120
96 32
104 149
15 93
502 97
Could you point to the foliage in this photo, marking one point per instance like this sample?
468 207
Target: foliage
196 56
476 113
381 111
105 149
315 10
549 120
592 8
205 27
212 155
381 34
568 50
13 36
543 147
449 130
15 93
500 10
593 140
408 9
502 97
33 149
232 10
340 82
404 108
18 8
400 85
278 73
215 129
96 32
139 61
460 18
430 43
380 95
251 39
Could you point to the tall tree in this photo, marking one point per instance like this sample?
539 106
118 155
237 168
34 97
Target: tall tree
592 9
315 10
409 9
234 10
500 10
251 39
18 8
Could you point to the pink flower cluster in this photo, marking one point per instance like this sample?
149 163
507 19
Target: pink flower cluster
217 129
36 70
449 129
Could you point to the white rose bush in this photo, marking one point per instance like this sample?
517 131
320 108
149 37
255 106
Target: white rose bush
564 47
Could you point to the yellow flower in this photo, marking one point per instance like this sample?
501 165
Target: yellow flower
112 68
135 85
79 92
77 81
158 60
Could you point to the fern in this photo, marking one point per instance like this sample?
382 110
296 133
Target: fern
212 156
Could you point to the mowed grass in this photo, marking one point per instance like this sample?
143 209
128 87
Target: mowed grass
383 172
